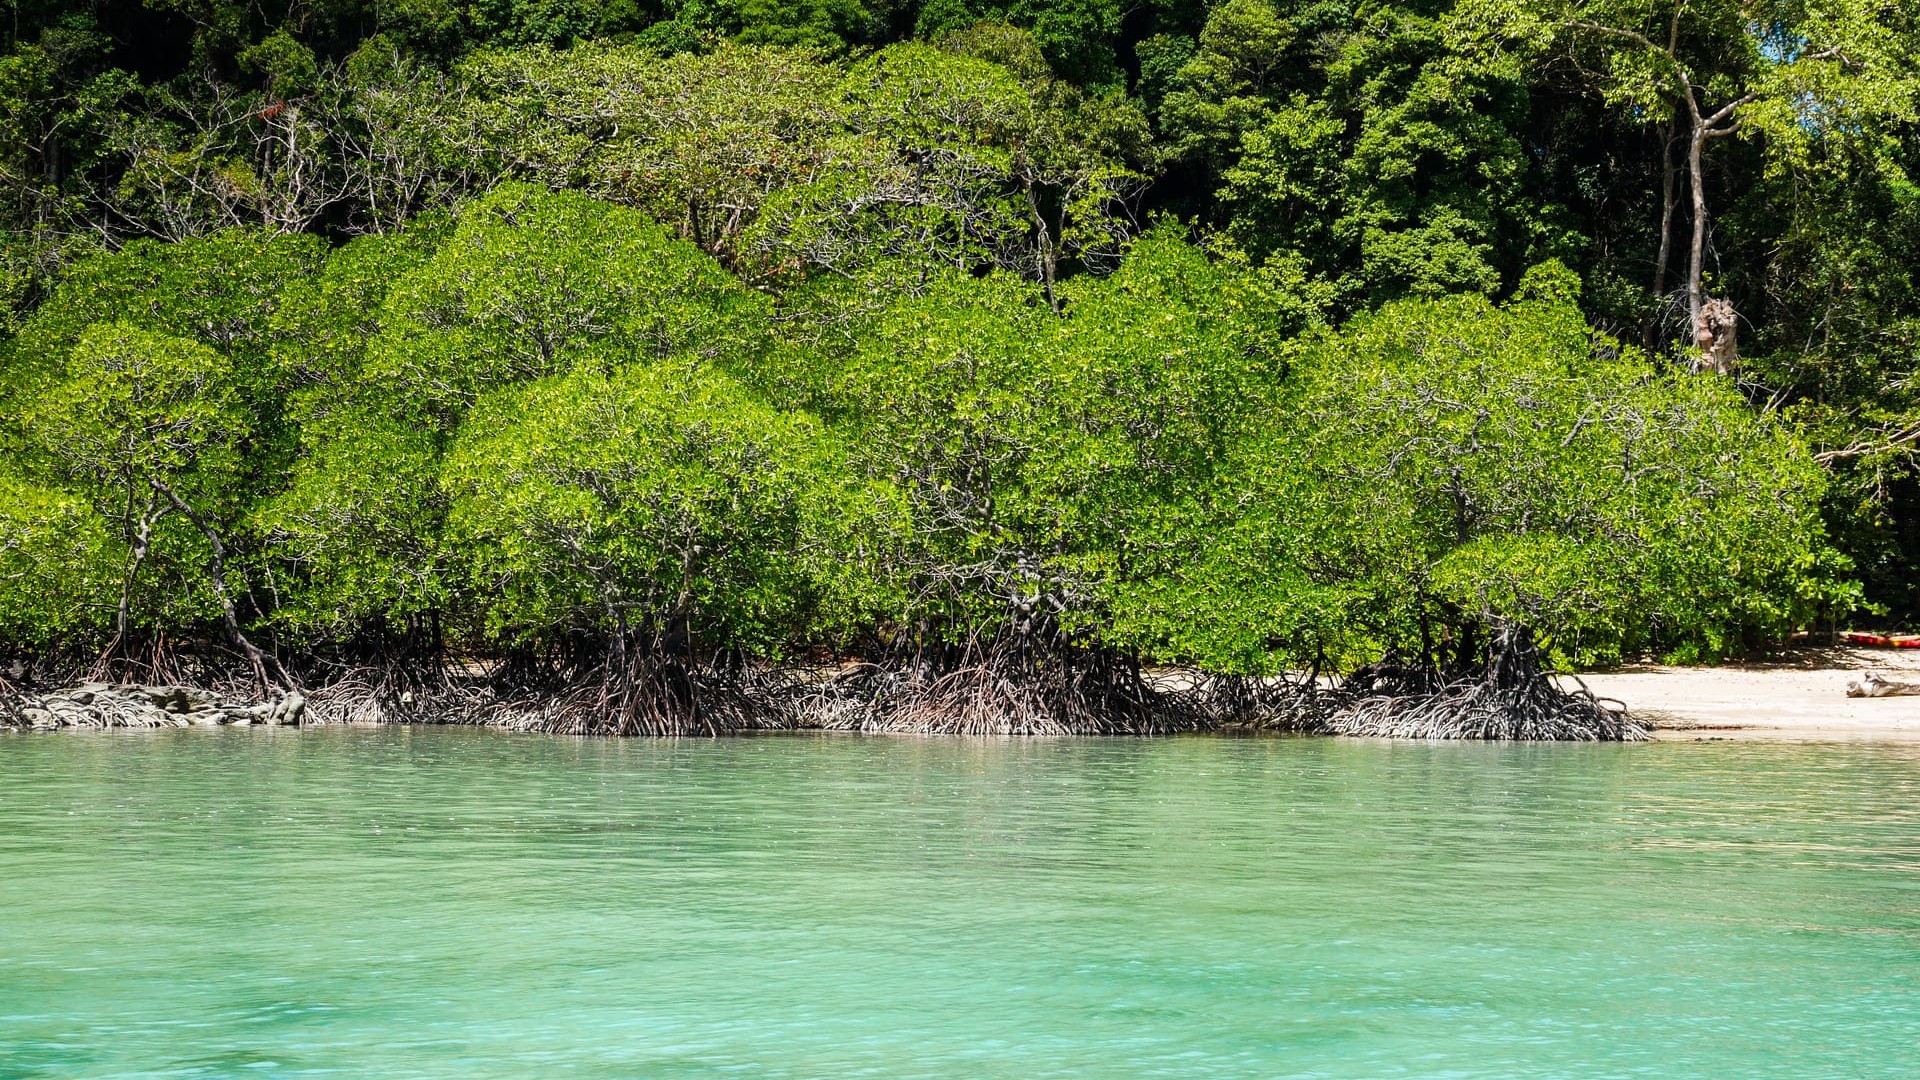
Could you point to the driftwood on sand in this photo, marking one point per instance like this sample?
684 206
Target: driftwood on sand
1871 684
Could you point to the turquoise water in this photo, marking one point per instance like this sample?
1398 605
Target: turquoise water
432 903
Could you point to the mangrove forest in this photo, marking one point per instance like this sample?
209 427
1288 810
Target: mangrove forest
966 366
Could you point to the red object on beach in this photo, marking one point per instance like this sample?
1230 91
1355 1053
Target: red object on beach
1895 641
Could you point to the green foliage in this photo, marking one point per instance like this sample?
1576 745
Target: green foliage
940 398
532 283
146 428
812 24
655 500
469 315
56 574
401 336
321 323
780 164
1367 155
1169 365
551 22
350 535
695 141
954 161
220 292
284 64
357 532
1043 463
1438 469
1076 36
138 408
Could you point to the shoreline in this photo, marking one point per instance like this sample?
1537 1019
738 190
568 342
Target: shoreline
1799 697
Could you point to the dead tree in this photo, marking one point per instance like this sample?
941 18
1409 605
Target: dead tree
1872 685
1716 334
1693 124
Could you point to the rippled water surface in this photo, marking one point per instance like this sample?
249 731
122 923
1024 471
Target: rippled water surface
430 903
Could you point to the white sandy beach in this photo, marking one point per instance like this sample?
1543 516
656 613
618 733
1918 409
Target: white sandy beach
1803 696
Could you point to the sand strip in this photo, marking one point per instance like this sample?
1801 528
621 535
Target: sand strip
1801 696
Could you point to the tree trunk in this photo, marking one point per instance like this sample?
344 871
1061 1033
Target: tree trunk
229 616
1696 252
1669 202
1714 321
1043 246
136 555
1718 334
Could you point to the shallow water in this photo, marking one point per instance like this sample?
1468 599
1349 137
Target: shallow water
433 903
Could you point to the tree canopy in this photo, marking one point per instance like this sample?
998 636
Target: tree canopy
1045 338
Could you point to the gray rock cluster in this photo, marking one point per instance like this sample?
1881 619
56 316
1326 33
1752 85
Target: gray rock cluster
108 705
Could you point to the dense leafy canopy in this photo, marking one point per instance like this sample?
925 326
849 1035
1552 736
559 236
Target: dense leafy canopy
1444 467
1250 334
658 499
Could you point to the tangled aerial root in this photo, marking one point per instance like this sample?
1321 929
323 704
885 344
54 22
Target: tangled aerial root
985 698
651 696
1292 704
1511 698
1479 709
999 687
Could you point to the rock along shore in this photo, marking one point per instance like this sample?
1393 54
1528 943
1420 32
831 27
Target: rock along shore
128 705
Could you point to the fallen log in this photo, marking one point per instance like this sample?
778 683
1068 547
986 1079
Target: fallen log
1872 685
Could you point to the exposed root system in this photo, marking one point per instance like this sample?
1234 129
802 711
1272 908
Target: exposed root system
1511 698
649 695
1281 703
1006 686
1009 685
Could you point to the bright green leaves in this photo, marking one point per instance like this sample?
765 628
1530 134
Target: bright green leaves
1364 155
1439 468
952 161
56 565
780 164
532 283
1076 37
138 408
1046 465
323 321
357 532
944 398
146 382
539 425
220 290
654 499
146 428
551 420
1286 188
825 25
697 142
1806 78
1159 470
917 172
1229 84
353 532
